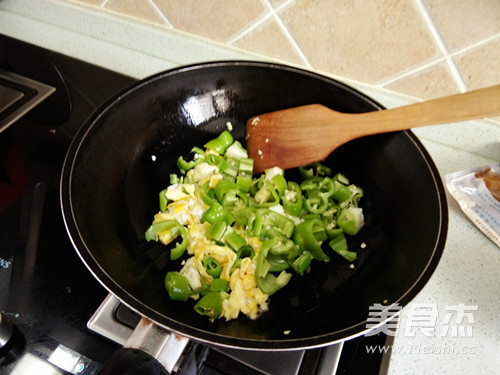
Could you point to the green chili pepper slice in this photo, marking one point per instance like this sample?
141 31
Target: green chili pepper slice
176 230
316 204
279 183
277 263
292 199
351 220
223 187
177 286
217 231
342 193
235 241
266 281
210 305
305 236
219 285
302 262
213 267
339 245
221 143
217 213
199 156
163 200
245 171
218 161
207 194
243 252
267 195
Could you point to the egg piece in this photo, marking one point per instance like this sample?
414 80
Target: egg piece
190 271
179 191
245 296
203 171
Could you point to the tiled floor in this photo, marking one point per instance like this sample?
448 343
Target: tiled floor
422 48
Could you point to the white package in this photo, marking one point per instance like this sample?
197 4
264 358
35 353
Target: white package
477 191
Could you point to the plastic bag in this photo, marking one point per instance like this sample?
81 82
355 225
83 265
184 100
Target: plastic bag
477 191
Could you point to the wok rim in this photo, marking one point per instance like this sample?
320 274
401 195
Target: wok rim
201 335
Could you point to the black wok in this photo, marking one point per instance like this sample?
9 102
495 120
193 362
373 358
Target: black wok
123 155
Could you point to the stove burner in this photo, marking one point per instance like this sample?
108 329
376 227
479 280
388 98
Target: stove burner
117 322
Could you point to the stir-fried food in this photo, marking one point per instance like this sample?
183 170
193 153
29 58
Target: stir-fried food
244 236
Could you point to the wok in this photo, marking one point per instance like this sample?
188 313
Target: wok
123 155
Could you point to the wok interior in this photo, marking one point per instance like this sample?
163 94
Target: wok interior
127 151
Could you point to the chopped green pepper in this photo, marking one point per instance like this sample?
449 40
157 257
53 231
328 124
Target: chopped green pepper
292 199
302 262
177 286
276 262
342 193
351 220
279 183
213 267
245 171
184 166
217 231
316 204
267 195
207 193
221 143
210 305
266 281
339 245
219 285
234 199
217 160
235 241
244 252
305 236
163 200
314 169
175 229
231 171
217 213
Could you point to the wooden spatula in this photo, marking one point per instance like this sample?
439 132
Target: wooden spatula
299 136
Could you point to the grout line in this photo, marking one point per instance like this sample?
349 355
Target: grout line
287 32
441 45
247 30
161 14
103 3
472 46
436 61
410 72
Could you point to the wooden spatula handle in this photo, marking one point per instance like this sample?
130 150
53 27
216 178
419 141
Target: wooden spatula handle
474 104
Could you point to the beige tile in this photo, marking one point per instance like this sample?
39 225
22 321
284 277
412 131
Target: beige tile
91 2
363 40
276 3
463 22
142 10
269 40
480 67
215 19
430 83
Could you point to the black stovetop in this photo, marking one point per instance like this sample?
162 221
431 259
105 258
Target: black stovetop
46 292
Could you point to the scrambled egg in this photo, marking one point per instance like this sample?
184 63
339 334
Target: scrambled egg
245 296
186 206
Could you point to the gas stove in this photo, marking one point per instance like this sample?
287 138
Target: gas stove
55 316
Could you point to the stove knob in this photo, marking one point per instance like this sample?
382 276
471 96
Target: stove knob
6 329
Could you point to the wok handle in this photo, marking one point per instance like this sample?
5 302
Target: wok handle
130 361
150 350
